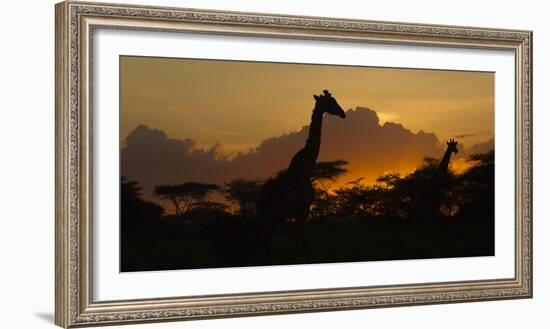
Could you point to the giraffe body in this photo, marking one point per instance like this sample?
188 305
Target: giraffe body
284 200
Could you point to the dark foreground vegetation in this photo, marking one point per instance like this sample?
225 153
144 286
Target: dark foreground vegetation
400 217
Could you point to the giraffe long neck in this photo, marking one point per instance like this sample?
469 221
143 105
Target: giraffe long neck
304 161
444 164
313 142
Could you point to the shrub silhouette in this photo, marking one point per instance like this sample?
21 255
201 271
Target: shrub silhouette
136 215
349 222
134 210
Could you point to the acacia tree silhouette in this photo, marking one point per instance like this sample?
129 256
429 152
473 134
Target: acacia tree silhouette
186 195
325 173
329 171
475 192
244 192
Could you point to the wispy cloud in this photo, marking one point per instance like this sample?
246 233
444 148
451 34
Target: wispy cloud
468 135
464 135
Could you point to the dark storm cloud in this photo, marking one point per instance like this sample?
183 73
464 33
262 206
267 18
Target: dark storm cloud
152 158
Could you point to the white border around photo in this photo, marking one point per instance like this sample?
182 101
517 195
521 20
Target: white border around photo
110 284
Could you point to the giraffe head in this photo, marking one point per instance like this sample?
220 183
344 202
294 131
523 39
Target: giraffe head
326 103
451 146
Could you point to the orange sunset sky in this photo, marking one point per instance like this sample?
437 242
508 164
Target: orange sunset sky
212 120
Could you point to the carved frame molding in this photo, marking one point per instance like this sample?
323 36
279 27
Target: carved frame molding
76 23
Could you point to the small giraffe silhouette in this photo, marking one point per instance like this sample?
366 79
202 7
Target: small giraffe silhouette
443 168
289 194
429 202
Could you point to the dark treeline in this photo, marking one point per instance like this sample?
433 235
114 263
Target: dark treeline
399 217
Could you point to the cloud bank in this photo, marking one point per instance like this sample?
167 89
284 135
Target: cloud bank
152 158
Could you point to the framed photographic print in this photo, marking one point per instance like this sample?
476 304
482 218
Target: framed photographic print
216 164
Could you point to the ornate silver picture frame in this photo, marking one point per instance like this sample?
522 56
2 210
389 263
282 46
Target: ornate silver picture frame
75 303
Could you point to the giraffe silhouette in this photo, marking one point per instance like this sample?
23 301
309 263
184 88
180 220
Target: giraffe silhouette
443 168
441 180
287 197
430 198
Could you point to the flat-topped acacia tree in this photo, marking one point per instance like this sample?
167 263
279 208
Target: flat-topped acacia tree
186 195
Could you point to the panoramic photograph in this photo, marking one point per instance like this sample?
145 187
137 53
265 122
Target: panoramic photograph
240 163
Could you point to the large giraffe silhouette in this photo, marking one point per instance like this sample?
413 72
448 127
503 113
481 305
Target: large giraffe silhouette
288 196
